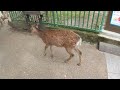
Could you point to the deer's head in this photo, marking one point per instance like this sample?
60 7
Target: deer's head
34 29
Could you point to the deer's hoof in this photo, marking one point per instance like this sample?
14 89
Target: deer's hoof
51 56
66 61
45 54
78 64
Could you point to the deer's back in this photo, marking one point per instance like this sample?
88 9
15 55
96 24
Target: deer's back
60 38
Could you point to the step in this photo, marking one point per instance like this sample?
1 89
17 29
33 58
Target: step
110 37
109 48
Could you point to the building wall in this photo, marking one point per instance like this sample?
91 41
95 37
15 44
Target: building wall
110 27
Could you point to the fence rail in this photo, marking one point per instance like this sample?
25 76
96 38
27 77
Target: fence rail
87 20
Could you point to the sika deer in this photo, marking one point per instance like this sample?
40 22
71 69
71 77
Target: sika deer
60 38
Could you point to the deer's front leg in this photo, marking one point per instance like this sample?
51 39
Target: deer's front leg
51 51
46 46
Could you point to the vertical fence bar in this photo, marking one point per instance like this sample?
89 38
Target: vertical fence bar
60 18
53 15
64 16
33 18
88 18
79 18
103 18
71 18
97 19
43 18
67 18
53 18
30 18
21 15
39 17
27 17
14 15
83 19
36 17
47 17
92 19
57 17
75 19
18 15
11 16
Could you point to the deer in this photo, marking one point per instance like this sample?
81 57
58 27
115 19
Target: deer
59 38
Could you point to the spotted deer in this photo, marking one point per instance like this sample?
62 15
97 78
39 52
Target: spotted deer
60 38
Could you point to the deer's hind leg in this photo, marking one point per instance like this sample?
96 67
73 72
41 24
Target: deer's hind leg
69 50
80 54
46 46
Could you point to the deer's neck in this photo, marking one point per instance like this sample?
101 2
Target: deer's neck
41 33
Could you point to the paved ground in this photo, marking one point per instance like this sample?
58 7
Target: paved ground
109 48
113 59
21 56
113 66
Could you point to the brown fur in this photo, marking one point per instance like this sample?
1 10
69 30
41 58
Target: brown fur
59 38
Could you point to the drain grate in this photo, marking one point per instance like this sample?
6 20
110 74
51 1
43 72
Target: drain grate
109 48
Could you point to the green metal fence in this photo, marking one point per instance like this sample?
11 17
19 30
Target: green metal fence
84 20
